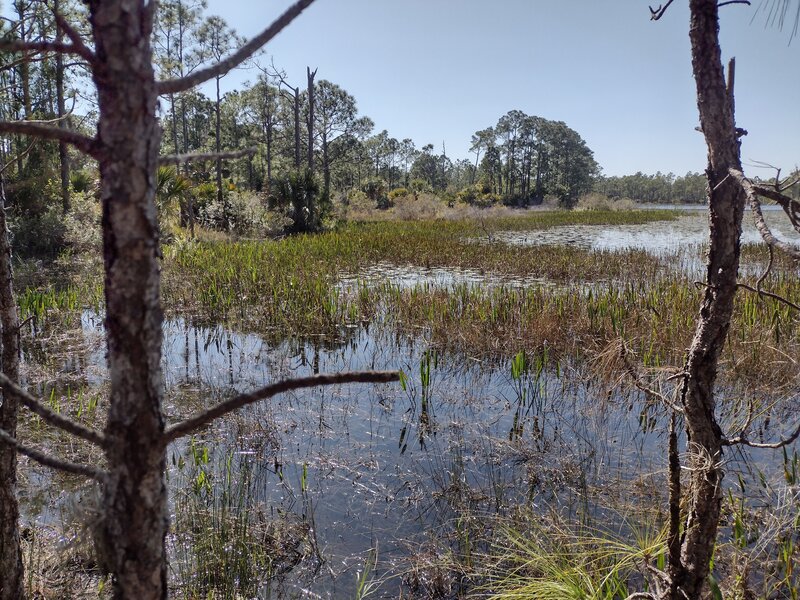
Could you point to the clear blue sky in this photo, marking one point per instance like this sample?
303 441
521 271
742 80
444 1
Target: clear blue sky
438 70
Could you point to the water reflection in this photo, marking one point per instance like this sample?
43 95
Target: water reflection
658 237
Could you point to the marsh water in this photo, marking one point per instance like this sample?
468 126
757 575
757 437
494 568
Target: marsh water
373 476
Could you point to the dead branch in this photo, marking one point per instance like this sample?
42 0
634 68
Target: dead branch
38 47
743 441
50 416
777 297
178 159
171 86
790 207
12 161
727 2
82 142
631 371
77 41
755 205
203 418
657 13
51 461
766 272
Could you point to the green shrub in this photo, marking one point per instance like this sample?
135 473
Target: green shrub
299 193
398 193
82 233
375 189
40 234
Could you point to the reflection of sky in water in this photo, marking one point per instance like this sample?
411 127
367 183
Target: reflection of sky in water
382 464
659 237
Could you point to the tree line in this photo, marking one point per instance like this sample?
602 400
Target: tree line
295 139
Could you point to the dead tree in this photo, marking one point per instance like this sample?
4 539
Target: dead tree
693 533
310 77
134 508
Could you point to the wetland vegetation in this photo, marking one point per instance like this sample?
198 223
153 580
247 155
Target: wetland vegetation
569 396
516 410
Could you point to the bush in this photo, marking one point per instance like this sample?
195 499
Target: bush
41 234
82 233
478 195
595 201
425 207
398 193
299 193
375 189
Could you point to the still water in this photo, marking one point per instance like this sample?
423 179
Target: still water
384 472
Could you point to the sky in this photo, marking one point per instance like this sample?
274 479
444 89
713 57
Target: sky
436 71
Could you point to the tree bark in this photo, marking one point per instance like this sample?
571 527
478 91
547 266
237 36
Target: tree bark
310 76
297 128
218 149
11 571
134 496
63 155
326 166
726 205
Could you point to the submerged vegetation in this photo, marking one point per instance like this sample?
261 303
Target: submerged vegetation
544 319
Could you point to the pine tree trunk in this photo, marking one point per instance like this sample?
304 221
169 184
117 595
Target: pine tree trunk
134 496
310 77
297 128
726 205
11 571
63 156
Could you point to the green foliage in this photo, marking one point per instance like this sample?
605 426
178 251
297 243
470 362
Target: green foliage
171 190
81 181
82 233
40 234
419 186
661 187
478 195
554 561
375 189
299 193
397 193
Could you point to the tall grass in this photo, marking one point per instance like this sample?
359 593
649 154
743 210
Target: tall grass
225 545
549 559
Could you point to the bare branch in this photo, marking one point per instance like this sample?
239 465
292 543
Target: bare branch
171 86
13 160
761 225
772 295
657 13
727 2
83 143
767 270
179 159
742 440
790 207
81 48
50 416
38 47
51 461
637 380
203 418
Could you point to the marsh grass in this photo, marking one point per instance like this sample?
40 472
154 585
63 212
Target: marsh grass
291 287
225 545
59 564
548 559
291 283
